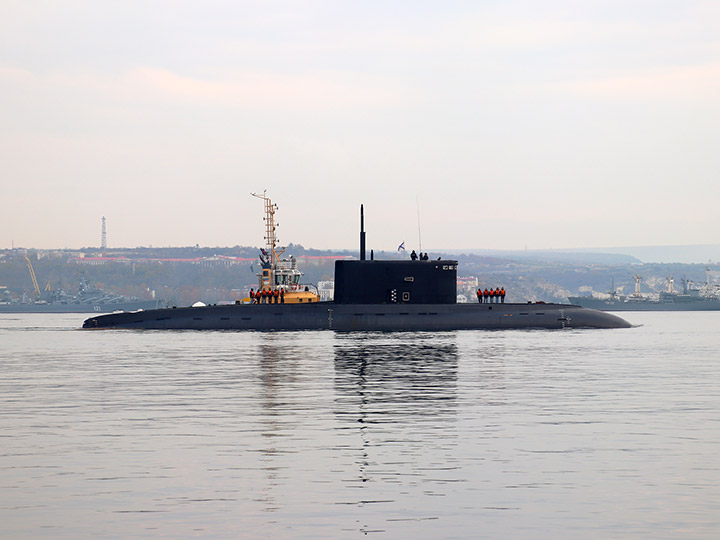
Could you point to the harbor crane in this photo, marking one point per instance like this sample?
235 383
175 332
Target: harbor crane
34 278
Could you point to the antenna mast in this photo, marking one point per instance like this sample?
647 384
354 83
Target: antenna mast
103 235
417 205
270 238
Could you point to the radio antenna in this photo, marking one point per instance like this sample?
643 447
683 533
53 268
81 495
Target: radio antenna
417 204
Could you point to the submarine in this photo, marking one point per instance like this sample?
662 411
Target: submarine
370 295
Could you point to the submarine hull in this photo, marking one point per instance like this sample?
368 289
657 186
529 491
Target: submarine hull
361 317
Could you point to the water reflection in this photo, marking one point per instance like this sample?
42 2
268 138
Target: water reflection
277 370
320 435
397 400
388 380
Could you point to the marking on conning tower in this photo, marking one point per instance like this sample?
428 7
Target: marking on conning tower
563 319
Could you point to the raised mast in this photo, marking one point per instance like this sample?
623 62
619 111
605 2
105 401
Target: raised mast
362 233
270 238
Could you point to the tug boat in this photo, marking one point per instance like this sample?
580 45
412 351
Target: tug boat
278 275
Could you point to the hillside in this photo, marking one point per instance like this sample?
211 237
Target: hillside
187 274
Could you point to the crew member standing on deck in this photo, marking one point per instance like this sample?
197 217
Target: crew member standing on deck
413 255
491 293
252 296
282 296
276 296
497 295
479 296
502 295
485 295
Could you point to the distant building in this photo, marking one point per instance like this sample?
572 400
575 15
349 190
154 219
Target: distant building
467 283
326 290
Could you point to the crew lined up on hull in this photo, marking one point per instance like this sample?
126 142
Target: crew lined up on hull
267 296
490 296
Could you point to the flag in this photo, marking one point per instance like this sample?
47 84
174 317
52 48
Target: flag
401 246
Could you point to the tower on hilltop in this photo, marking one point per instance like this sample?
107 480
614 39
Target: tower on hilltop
103 237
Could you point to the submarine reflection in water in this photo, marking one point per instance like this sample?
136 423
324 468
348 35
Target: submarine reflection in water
383 381
393 397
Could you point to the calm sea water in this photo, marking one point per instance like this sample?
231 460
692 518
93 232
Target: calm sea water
475 434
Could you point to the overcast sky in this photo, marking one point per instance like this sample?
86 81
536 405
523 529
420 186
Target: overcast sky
502 124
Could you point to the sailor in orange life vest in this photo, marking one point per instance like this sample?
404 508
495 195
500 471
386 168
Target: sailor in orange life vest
252 296
491 296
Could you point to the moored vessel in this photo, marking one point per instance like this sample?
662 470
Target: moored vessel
690 299
89 299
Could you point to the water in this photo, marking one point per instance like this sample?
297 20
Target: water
477 434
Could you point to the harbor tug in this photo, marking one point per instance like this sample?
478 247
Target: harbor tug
370 295
278 275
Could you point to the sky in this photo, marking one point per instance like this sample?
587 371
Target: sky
458 124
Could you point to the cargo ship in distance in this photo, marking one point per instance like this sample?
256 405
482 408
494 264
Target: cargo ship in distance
690 299
370 295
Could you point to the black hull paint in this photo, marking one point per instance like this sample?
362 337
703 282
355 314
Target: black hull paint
361 317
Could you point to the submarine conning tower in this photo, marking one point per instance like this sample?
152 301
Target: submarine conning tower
394 282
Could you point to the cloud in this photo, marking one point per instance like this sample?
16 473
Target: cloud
234 89
667 83
319 90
